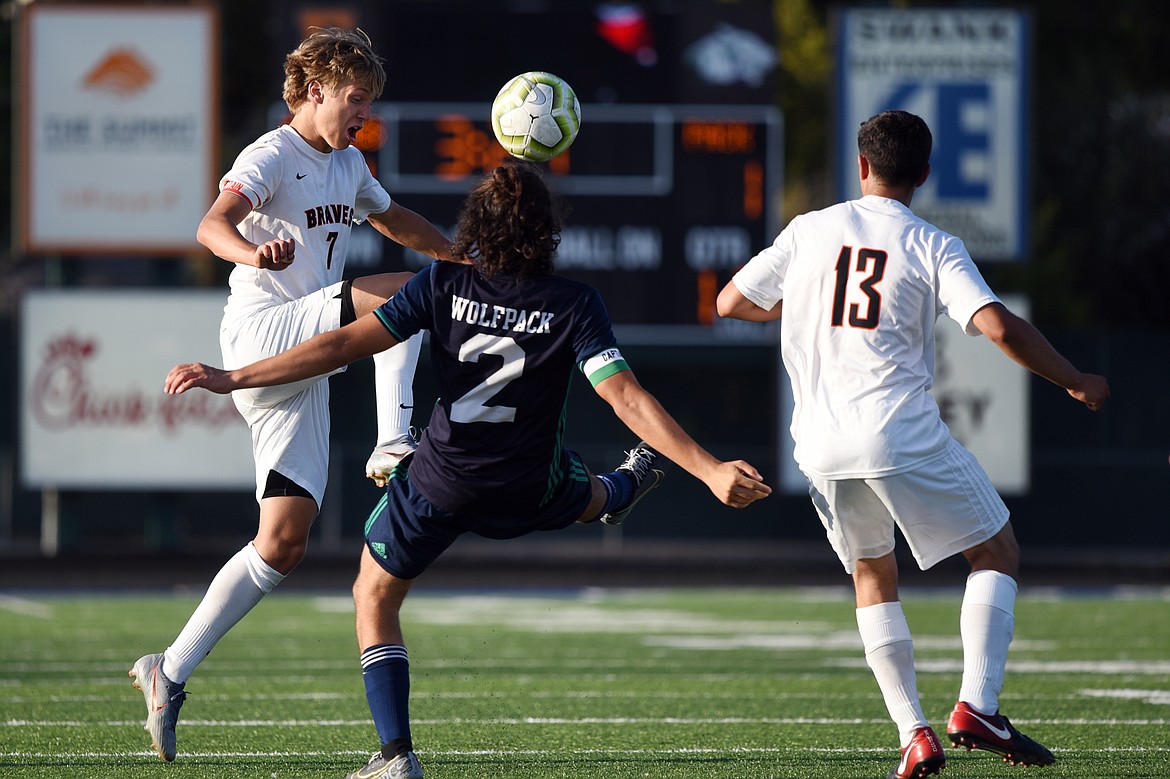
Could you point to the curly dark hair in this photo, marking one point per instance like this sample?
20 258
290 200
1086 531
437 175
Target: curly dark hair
510 223
897 145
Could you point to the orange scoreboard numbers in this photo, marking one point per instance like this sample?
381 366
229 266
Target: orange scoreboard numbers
664 202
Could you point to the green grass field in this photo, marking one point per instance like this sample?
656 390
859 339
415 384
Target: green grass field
612 684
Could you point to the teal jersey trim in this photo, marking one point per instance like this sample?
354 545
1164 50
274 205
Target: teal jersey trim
399 471
601 374
378 507
382 319
555 474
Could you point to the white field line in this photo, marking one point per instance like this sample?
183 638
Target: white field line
571 721
226 671
490 695
25 607
427 754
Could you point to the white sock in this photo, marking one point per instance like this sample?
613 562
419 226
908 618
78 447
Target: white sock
986 623
394 388
242 582
889 652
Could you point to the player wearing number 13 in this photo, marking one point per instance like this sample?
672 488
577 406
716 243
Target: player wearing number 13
861 285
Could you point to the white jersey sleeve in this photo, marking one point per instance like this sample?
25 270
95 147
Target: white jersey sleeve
762 280
962 290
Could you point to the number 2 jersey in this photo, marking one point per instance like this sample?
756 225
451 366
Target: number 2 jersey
503 351
297 192
863 283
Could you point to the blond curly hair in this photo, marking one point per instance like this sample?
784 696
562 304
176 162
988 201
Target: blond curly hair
331 56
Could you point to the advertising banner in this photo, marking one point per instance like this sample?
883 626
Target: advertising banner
93 411
120 116
965 71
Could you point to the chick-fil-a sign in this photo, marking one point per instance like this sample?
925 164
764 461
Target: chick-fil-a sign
93 411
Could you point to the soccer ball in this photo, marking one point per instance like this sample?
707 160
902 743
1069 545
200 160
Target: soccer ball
536 116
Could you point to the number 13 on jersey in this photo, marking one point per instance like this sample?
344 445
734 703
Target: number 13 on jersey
862 276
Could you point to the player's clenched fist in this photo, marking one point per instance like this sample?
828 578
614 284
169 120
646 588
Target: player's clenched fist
737 484
275 254
195 374
1092 390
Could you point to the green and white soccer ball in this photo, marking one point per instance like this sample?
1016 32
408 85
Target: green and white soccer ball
536 116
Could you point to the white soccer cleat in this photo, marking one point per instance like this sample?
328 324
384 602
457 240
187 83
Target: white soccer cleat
164 698
385 457
405 766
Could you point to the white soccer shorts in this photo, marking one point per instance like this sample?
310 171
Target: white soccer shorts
290 422
943 507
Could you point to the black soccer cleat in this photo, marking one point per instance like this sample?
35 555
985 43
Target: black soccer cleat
639 466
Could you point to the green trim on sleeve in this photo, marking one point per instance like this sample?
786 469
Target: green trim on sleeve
385 324
607 370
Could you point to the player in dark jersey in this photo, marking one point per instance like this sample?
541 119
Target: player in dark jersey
505 336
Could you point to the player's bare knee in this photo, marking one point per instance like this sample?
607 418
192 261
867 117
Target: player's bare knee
369 292
287 556
1000 553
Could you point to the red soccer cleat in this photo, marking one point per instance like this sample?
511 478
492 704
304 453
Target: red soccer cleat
993 732
923 756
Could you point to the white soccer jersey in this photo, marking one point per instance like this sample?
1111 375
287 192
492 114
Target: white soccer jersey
863 283
300 193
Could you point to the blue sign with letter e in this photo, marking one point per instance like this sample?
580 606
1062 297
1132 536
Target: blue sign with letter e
965 72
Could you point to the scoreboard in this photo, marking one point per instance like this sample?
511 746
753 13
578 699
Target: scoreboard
663 202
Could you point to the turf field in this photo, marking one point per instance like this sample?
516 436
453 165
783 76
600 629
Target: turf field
612 684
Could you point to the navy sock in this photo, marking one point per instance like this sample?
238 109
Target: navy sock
386 672
619 488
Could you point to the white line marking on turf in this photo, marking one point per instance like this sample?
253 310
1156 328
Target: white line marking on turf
1089 667
306 696
796 640
801 750
25 607
364 723
1155 697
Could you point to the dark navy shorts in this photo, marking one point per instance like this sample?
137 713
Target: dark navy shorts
406 532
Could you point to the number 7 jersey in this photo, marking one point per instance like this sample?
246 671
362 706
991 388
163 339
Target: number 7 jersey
503 351
863 283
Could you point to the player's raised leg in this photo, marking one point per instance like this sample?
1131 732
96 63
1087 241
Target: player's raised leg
394 371
640 476
394 394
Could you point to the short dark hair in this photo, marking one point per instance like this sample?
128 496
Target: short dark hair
897 145
510 223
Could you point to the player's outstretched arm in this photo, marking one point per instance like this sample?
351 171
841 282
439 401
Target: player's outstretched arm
1022 342
735 483
413 231
319 355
